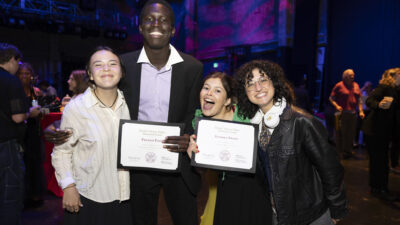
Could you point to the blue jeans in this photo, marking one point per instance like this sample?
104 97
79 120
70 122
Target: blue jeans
11 183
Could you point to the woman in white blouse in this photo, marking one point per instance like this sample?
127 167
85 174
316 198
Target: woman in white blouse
95 191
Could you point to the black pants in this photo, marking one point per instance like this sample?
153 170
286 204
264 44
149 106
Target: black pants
378 149
95 213
394 151
145 191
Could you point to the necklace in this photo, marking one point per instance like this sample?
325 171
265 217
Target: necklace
115 100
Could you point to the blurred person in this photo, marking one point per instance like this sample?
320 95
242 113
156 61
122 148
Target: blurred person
14 110
378 129
78 82
95 191
366 91
234 198
302 96
395 147
302 170
35 184
47 89
345 97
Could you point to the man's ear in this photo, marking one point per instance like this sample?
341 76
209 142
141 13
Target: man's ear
140 29
173 31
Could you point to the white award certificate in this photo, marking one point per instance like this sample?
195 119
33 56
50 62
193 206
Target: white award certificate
140 145
226 145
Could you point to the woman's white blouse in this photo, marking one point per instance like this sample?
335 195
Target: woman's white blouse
89 157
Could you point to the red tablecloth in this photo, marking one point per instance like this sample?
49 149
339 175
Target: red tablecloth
52 184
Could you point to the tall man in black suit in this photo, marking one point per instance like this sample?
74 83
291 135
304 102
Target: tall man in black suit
162 85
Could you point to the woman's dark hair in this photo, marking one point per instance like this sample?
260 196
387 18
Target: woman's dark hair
103 48
267 68
82 81
228 83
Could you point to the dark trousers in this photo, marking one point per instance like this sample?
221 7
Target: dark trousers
345 133
145 191
378 149
11 183
96 213
394 151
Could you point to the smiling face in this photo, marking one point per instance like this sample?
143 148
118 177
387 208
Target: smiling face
156 26
213 99
25 75
105 69
260 90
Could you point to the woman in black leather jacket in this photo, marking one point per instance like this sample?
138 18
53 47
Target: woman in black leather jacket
303 170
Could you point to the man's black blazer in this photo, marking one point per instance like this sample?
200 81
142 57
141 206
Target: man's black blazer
184 99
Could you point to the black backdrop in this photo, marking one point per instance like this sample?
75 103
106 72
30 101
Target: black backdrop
363 35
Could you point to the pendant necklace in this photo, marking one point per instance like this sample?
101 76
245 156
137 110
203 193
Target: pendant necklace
103 102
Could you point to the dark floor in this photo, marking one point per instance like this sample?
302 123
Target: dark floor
364 209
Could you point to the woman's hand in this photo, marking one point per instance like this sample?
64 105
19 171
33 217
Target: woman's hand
34 111
71 199
192 146
384 104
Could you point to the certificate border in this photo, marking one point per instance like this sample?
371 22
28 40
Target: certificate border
119 165
225 168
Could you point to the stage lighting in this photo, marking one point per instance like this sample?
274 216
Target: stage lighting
123 35
11 21
21 22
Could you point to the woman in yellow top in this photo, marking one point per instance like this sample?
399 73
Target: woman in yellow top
234 198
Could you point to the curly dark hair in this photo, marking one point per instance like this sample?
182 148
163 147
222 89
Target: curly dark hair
273 71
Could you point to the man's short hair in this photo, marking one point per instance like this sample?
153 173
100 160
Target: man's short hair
162 2
7 52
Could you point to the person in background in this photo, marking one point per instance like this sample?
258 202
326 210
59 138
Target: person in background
35 183
395 148
47 89
78 82
234 198
366 91
302 169
345 97
95 191
14 110
378 128
302 96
